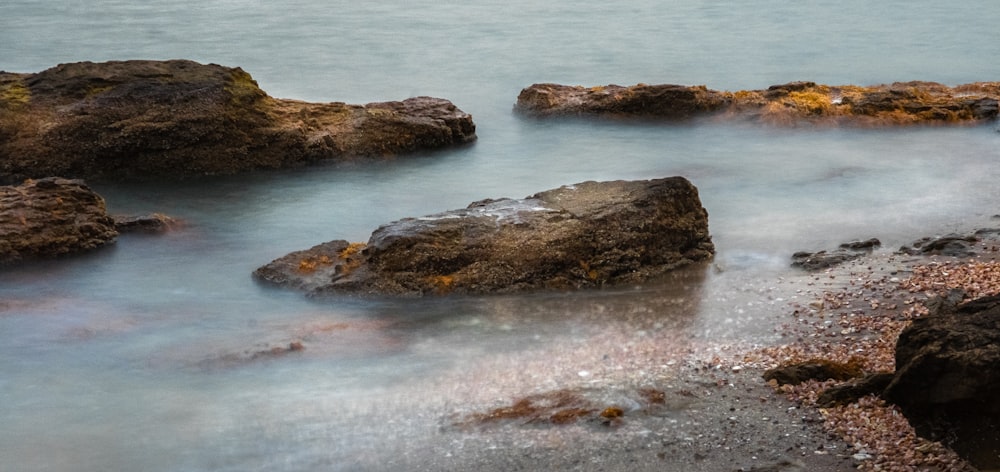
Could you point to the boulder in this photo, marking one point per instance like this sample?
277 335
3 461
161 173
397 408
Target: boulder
590 234
51 217
145 120
947 379
786 104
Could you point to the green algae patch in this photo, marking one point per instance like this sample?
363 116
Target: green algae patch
243 89
14 93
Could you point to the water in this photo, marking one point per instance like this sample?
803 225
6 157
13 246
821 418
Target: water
142 356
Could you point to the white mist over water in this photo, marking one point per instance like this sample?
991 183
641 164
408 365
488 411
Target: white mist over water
139 356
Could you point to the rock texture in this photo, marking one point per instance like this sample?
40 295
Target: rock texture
825 259
51 217
787 104
947 379
585 235
167 119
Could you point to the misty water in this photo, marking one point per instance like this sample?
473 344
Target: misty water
141 356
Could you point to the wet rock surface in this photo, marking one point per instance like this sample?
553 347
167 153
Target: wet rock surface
145 120
824 259
590 234
51 217
947 379
899 103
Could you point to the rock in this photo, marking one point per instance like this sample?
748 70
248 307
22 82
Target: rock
663 101
51 217
955 245
786 104
814 369
824 259
854 389
590 234
150 223
947 379
167 119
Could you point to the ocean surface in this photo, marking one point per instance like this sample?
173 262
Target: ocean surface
145 355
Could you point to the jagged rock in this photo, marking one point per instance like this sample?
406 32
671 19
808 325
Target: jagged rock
786 104
947 379
156 119
585 235
824 259
51 217
813 369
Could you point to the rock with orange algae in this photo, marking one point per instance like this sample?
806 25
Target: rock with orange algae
591 234
947 379
52 217
786 104
144 120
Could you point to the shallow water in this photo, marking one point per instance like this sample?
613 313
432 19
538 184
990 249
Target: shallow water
147 355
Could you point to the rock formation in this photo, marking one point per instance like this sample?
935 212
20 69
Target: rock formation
167 119
787 104
51 217
585 235
947 379
825 259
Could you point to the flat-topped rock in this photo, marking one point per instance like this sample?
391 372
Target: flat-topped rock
787 104
590 234
167 119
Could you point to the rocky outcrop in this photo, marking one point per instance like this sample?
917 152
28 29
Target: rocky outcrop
947 379
168 119
51 217
787 104
585 235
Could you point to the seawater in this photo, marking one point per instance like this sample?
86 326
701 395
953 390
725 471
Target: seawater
140 356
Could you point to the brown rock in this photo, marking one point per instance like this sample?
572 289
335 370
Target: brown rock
585 235
947 379
786 104
154 119
51 217
814 369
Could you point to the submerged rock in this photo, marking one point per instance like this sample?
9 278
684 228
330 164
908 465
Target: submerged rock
786 104
947 379
51 217
585 235
163 119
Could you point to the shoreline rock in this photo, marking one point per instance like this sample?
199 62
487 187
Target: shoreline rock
900 103
142 120
947 378
590 234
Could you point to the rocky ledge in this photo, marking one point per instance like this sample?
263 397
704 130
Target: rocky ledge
585 235
168 119
787 104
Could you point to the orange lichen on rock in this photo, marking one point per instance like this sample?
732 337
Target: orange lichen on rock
442 283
